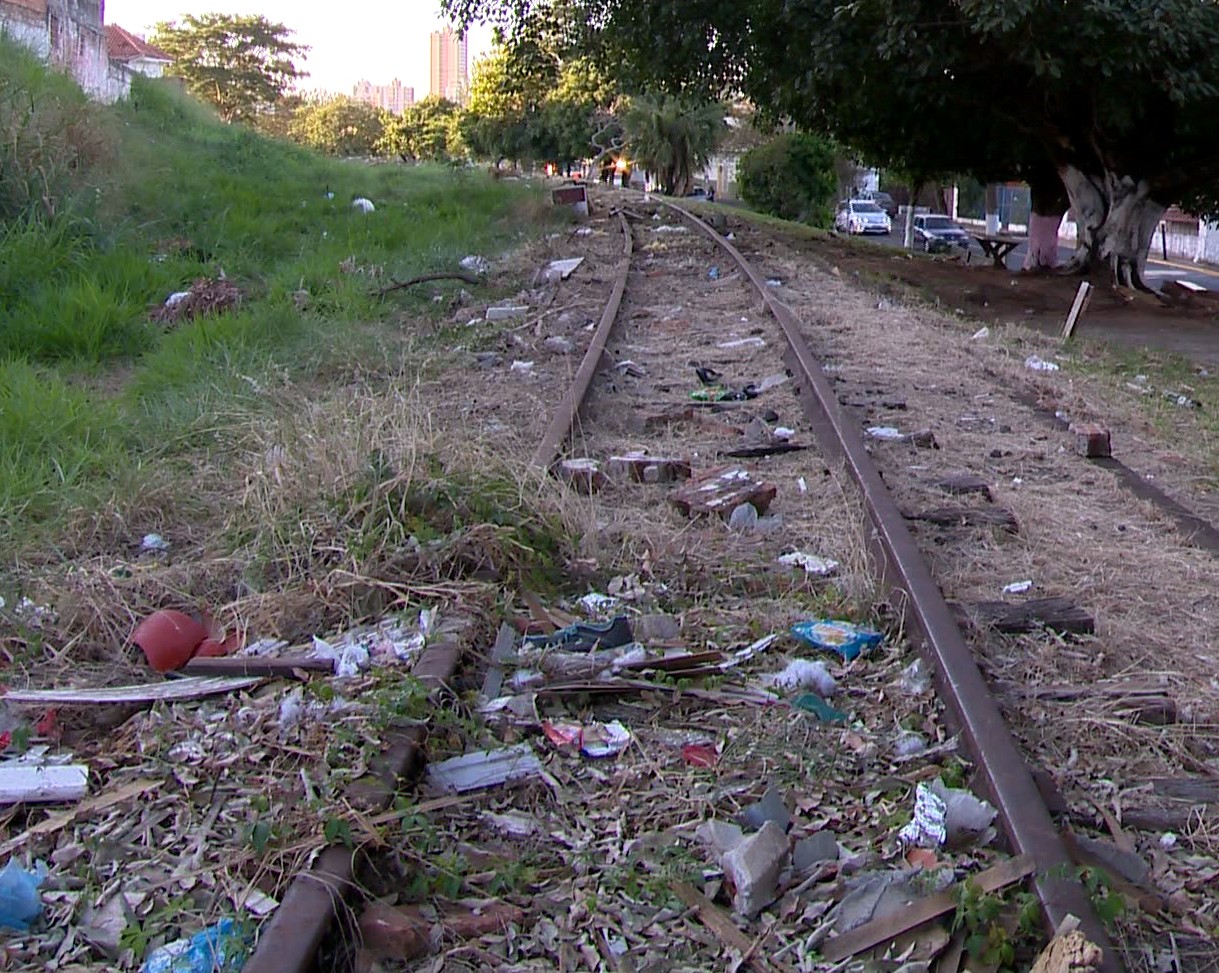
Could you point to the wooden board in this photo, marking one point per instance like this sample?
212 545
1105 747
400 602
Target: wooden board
965 483
881 931
175 689
1056 614
286 667
969 517
1082 298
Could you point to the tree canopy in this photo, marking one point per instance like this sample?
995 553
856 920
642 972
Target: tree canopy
1114 96
426 131
242 64
338 126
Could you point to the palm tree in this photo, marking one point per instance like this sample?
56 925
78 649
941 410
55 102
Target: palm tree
673 137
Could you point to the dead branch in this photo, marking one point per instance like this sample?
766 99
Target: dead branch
398 285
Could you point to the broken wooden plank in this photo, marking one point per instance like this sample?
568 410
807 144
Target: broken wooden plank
1070 951
881 931
1017 618
643 468
969 517
962 484
1083 296
720 491
720 923
100 802
1197 790
174 689
675 663
285 667
43 784
1149 710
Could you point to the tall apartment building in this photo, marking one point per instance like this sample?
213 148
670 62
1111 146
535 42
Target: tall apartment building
450 65
393 97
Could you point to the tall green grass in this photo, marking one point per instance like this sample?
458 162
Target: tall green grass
90 387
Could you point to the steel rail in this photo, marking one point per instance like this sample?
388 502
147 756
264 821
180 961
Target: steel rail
1006 778
289 941
569 408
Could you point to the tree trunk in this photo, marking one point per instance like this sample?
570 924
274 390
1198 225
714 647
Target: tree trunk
1048 198
1117 218
908 239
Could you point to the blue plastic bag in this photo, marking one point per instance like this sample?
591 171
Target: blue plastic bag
846 639
222 948
20 903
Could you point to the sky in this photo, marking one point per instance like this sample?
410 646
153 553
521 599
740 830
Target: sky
374 39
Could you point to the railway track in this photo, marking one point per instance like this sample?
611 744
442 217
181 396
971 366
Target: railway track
628 424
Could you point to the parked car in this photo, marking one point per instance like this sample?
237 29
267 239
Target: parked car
862 216
883 200
938 234
701 192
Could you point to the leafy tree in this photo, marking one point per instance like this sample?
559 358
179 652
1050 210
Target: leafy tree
339 126
494 121
1115 97
792 176
426 131
242 64
673 137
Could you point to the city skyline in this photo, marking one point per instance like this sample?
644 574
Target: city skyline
393 97
375 40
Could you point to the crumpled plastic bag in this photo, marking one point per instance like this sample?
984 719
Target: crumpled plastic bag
20 903
222 948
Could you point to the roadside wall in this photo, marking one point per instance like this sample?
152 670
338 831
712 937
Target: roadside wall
68 35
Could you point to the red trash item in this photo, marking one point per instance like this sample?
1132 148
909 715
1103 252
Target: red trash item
211 648
700 754
169 638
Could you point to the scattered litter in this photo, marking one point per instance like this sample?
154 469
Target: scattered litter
169 638
475 264
915 679
743 343
506 312
981 333
205 296
559 345
595 603
363 205
177 689
587 636
754 867
668 228
822 567
774 282
154 542
628 367
812 703
744 517
750 651
513 824
845 638
484 768
223 948
42 783
772 381
909 744
700 754
1017 587
349 658
561 269
783 433
802 484
714 274
804 674
1040 364
585 231
944 815
595 740
923 437
1168 841
886 432
258 903
20 903
522 367
771 808
1184 401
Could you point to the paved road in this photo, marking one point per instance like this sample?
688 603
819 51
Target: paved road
1158 272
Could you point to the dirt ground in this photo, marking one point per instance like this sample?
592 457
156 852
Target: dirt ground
1178 323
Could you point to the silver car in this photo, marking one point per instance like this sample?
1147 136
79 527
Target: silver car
862 216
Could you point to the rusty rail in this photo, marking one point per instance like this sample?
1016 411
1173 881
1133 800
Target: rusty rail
569 408
1007 779
289 941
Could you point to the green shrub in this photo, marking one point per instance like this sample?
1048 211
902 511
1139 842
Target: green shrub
791 177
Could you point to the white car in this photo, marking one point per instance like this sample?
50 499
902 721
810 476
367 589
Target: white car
862 216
